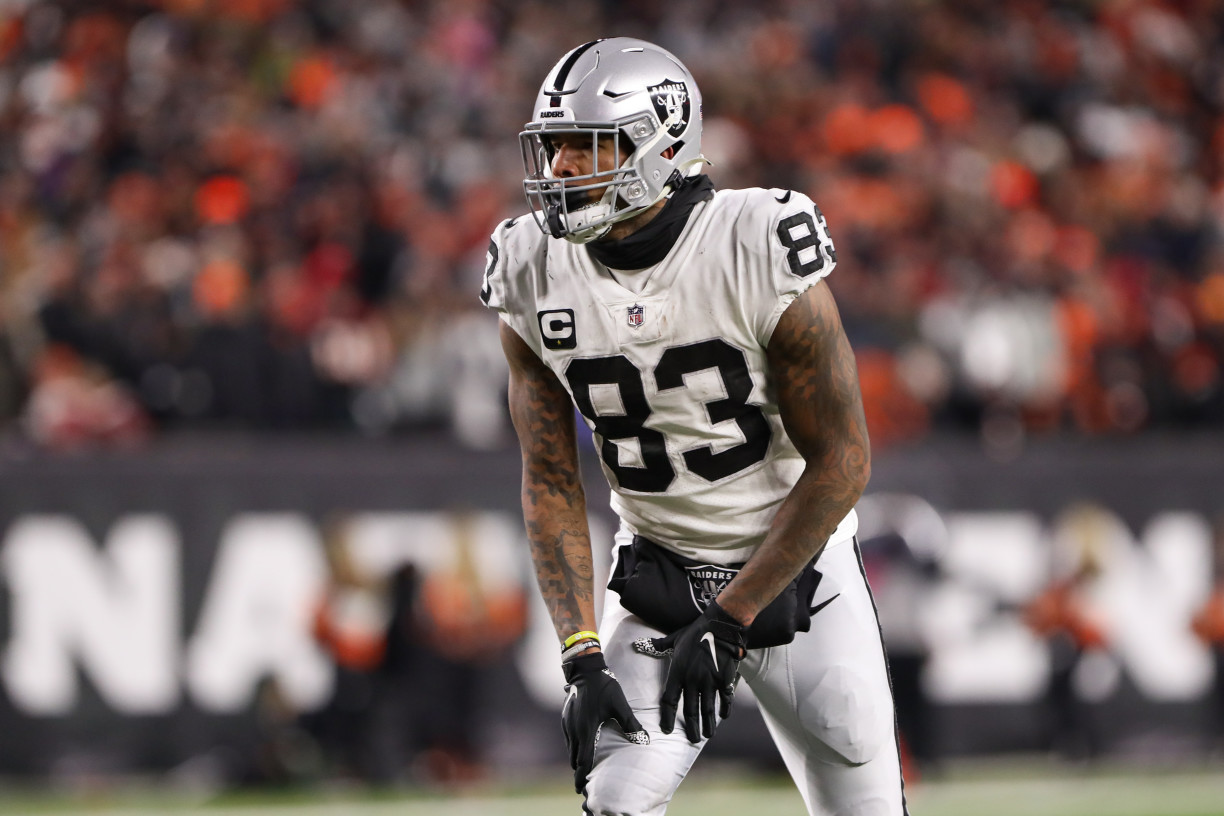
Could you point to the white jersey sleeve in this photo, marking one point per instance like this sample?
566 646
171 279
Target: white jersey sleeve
794 248
516 251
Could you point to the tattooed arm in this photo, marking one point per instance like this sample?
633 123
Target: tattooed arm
554 505
811 367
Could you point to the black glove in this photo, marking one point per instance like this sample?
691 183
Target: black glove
594 698
705 662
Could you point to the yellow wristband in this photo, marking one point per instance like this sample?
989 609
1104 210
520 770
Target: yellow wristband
577 636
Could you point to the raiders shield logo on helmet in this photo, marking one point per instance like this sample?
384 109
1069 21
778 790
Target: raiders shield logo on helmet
671 103
706 581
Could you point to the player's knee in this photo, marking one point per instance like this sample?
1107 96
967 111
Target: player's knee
850 715
626 792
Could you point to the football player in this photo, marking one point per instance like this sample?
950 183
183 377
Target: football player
694 332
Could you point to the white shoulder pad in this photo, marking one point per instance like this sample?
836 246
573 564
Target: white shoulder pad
787 241
516 252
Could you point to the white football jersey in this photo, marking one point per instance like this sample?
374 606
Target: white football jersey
673 380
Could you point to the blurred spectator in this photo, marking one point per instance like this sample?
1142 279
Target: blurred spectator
1065 615
274 214
468 627
401 697
351 623
71 405
411 651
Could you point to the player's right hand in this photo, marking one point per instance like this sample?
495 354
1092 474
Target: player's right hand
594 698
705 658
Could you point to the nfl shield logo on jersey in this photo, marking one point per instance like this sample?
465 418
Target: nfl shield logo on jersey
637 314
706 581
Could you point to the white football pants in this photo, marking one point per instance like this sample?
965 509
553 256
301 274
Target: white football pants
825 698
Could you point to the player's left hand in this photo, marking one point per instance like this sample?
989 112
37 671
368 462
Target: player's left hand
595 697
705 658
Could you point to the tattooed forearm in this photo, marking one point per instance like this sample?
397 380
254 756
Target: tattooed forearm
565 575
813 372
554 505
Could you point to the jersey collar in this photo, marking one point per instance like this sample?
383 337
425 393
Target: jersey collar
650 245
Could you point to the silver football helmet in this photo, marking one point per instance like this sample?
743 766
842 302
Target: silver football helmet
626 95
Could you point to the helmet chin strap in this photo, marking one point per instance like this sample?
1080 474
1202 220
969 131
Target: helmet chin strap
552 215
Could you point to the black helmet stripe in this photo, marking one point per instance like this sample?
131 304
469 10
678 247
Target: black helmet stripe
563 73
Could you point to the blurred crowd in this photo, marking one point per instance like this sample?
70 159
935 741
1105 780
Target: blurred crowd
274 213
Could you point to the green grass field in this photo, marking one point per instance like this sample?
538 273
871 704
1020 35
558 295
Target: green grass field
976 792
